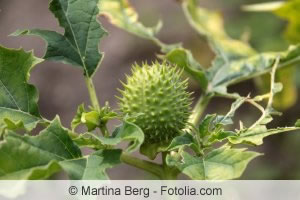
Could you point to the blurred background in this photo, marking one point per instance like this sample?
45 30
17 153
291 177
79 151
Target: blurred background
62 87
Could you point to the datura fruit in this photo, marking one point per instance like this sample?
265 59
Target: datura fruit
155 99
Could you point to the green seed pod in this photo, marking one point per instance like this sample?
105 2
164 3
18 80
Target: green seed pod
155 98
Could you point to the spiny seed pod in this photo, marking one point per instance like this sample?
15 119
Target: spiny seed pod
155 99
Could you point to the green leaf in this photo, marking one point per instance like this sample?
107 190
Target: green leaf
94 166
256 135
288 10
18 99
220 164
122 14
79 44
184 59
181 141
93 118
126 132
210 24
36 157
223 75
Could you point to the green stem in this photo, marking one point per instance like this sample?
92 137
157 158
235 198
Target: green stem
104 131
92 93
150 167
199 109
170 173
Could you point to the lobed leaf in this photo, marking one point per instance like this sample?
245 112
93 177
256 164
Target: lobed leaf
39 157
18 98
79 44
94 166
36 157
220 164
126 132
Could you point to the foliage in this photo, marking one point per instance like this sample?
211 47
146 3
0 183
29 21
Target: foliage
193 152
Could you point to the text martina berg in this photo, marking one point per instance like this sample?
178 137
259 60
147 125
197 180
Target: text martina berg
146 192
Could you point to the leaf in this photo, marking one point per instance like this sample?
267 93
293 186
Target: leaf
36 157
256 135
181 141
94 166
93 118
223 75
18 99
122 14
220 164
126 132
290 11
266 6
79 44
184 59
210 25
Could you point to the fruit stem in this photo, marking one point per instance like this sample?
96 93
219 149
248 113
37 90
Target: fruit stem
148 166
199 109
92 93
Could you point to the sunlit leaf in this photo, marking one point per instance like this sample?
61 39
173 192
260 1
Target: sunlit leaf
220 164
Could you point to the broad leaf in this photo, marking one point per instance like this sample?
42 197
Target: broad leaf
256 135
220 164
18 99
79 44
210 24
36 157
122 14
126 132
94 166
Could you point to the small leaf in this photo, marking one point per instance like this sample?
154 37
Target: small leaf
18 99
122 14
79 44
184 59
126 132
220 164
205 125
181 141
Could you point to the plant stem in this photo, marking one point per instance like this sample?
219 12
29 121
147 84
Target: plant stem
150 167
92 93
170 173
104 131
199 109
